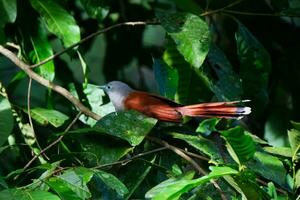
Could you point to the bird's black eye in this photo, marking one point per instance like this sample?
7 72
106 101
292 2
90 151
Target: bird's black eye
108 87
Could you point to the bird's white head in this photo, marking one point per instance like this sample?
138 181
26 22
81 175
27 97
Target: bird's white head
117 92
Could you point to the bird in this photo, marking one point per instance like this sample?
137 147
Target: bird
124 97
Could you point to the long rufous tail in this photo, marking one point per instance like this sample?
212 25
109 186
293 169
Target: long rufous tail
216 109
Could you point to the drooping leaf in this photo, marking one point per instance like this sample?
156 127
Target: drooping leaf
58 21
173 189
8 14
228 86
255 65
12 194
45 116
62 189
190 34
240 146
166 78
6 117
112 182
34 42
193 85
96 9
201 144
127 125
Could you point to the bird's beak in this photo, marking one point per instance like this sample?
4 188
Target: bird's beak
103 87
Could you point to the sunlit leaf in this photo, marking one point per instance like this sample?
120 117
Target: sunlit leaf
58 21
45 116
173 188
294 139
281 151
190 33
12 194
240 146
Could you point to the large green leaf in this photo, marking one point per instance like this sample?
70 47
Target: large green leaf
193 85
294 139
190 33
58 20
34 40
8 14
255 65
269 167
174 188
6 117
202 144
112 182
13 194
45 116
228 87
128 125
72 183
96 9
166 78
240 146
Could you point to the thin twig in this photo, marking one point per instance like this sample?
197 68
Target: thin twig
54 142
221 9
182 154
127 160
29 116
47 83
178 152
137 23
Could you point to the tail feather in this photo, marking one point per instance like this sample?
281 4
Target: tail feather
216 109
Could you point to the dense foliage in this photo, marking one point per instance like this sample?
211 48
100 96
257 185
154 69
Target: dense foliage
187 50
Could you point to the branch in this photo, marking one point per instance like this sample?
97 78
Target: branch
26 68
53 143
137 23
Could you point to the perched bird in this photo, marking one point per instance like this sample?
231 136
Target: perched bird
124 97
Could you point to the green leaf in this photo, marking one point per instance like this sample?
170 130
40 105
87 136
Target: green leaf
207 126
14 194
174 188
297 179
8 14
96 9
34 41
193 85
281 151
294 139
190 33
255 66
94 96
240 146
228 86
166 78
269 167
72 183
45 116
6 119
58 20
296 125
112 182
202 144
127 125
